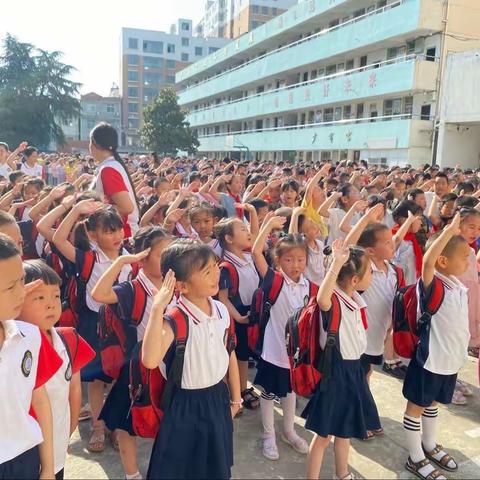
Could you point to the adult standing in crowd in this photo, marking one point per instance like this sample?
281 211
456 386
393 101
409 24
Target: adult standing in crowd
113 181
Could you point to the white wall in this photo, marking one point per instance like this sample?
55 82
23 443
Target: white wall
459 144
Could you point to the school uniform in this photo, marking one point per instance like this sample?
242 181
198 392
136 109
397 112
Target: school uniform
88 315
5 170
215 246
35 171
342 404
335 217
248 281
58 390
379 300
442 348
116 409
196 436
405 258
273 368
27 362
315 269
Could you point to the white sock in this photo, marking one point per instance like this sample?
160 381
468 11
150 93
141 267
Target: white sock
429 428
288 406
134 476
414 443
266 408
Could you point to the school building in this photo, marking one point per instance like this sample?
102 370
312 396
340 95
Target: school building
331 79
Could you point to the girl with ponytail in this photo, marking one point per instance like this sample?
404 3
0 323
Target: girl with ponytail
113 181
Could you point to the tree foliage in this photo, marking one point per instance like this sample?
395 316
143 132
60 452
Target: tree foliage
36 94
165 129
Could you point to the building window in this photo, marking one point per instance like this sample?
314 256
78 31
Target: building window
184 57
133 59
212 49
110 108
254 8
425 112
133 108
152 62
133 92
171 63
152 47
185 42
132 76
133 43
149 94
264 10
408 105
170 48
133 123
185 26
198 51
170 79
274 11
152 78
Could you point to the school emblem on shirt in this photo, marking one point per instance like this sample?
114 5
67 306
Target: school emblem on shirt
305 300
27 363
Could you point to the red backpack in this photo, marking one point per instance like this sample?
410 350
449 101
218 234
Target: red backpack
263 300
233 291
76 291
117 331
407 325
78 350
308 362
150 393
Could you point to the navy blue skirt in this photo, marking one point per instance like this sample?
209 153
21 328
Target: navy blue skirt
241 350
343 405
195 440
116 409
88 329
273 379
423 387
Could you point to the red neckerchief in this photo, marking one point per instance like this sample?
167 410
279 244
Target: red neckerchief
417 250
474 245
237 200
363 313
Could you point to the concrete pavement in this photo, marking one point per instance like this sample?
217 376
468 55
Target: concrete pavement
382 457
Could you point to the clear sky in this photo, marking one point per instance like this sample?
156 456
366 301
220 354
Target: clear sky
88 31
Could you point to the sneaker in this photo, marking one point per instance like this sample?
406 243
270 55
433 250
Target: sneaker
395 370
269 448
296 442
463 388
458 398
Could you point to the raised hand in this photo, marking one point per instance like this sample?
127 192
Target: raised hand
165 294
276 222
340 251
129 259
454 226
87 207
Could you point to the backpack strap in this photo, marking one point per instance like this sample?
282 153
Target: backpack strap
400 275
273 287
312 289
87 267
432 301
178 320
139 302
233 276
325 366
69 337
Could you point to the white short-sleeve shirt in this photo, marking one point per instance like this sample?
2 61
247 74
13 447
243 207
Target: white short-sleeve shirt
35 171
315 270
248 278
206 357
292 297
405 258
335 217
5 170
19 431
379 300
352 338
449 334
58 389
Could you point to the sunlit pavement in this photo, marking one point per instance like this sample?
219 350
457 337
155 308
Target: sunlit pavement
382 457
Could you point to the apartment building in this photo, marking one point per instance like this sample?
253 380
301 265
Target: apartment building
331 79
149 61
233 18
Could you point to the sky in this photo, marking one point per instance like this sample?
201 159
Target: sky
88 31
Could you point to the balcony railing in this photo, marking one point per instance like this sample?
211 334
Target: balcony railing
325 31
349 121
333 76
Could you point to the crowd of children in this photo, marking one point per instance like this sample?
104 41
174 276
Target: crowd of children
184 273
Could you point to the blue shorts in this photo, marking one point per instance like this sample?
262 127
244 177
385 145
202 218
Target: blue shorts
423 387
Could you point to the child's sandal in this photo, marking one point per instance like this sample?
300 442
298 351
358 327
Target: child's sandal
415 468
251 401
96 444
443 461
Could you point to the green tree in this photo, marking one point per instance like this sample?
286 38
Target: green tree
36 95
165 129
